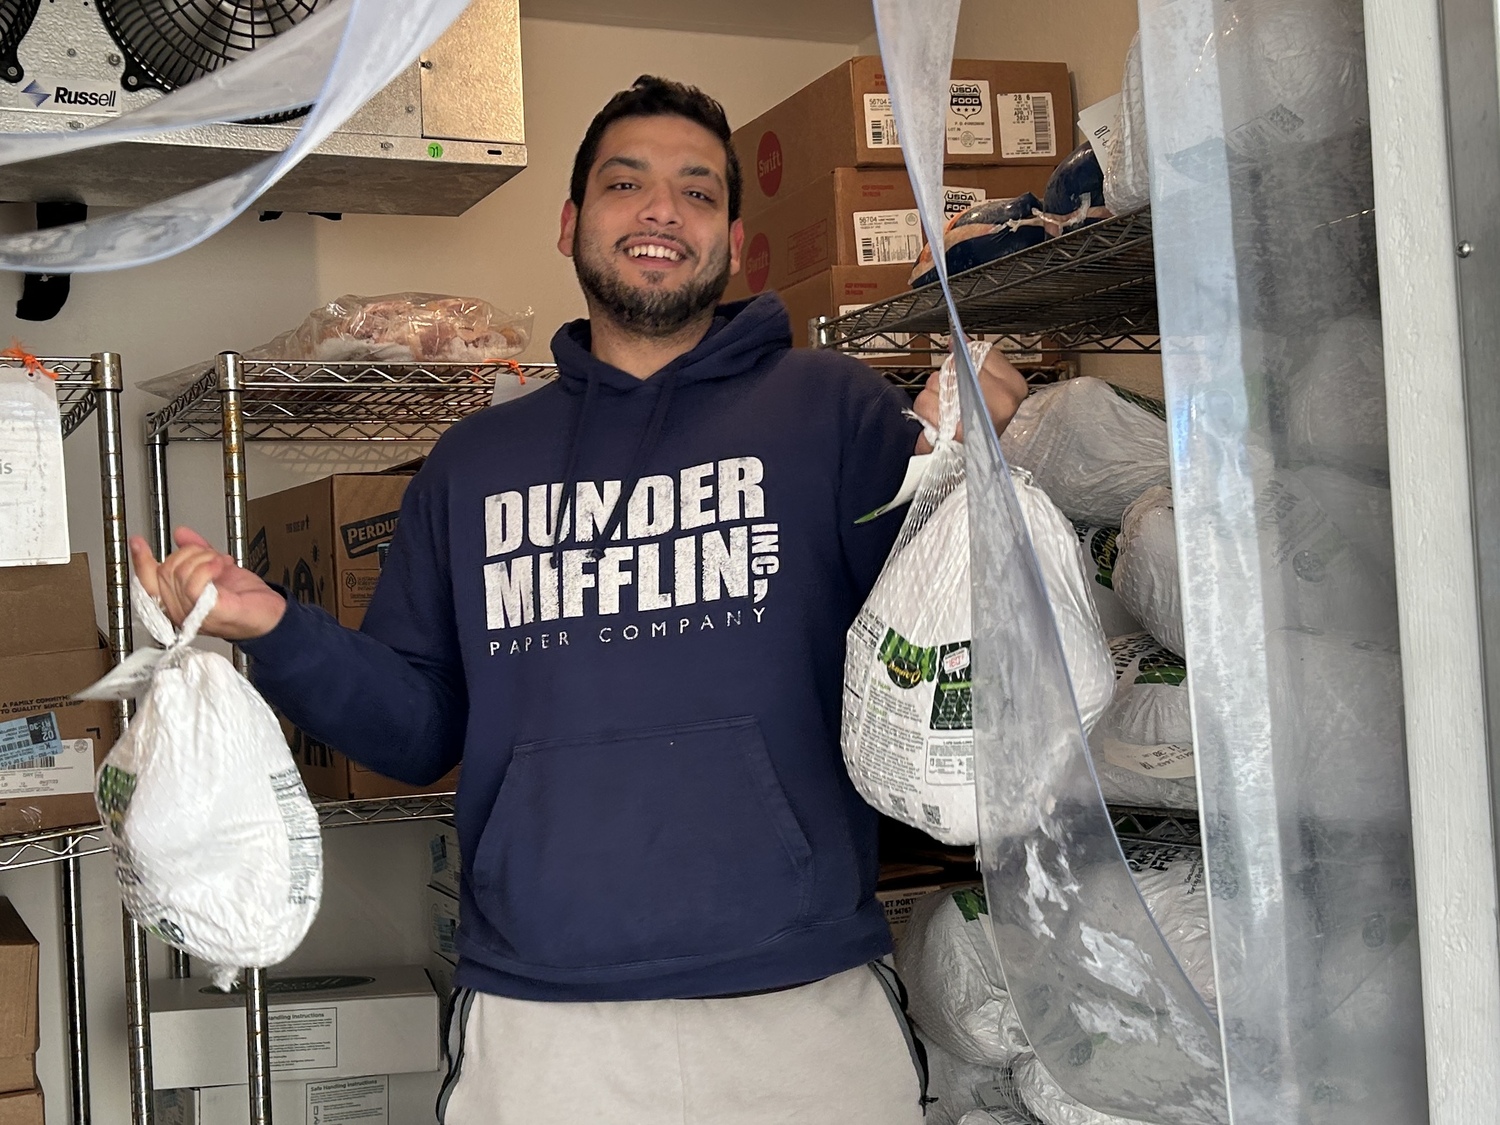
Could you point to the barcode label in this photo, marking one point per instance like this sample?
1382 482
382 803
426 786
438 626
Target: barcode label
885 237
24 740
1026 125
880 122
304 837
64 772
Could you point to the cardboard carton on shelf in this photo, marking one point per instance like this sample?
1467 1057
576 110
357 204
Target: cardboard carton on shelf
25 1107
323 1026
325 542
442 923
1000 113
845 289
857 217
19 961
50 743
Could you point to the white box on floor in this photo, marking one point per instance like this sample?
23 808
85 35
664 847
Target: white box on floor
378 1099
442 923
445 857
329 1025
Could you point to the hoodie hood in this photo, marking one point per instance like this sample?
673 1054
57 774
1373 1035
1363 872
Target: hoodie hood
743 335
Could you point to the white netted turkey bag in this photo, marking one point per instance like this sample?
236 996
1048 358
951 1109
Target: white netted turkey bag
1146 574
1089 446
1143 743
907 732
955 989
216 844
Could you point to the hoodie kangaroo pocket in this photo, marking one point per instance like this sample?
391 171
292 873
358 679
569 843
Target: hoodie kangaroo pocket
642 846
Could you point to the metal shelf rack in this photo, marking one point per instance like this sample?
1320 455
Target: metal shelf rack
239 400
1091 290
87 386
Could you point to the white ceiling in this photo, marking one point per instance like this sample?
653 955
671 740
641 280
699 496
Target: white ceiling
831 21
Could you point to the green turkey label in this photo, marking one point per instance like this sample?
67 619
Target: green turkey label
113 794
953 701
1161 667
1102 544
971 903
1145 402
908 665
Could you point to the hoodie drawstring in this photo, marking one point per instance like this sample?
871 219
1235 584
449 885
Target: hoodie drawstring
643 451
570 473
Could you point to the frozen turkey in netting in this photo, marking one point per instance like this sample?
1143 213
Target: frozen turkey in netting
1127 171
1101 549
1145 574
1142 745
907 730
1090 447
217 846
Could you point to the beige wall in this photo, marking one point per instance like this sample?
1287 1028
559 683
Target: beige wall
252 281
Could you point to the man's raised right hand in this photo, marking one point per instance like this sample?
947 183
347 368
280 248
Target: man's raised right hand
247 607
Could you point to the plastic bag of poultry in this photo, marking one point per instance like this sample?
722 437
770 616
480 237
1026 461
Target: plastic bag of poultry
396 328
907 734
984 232
216 844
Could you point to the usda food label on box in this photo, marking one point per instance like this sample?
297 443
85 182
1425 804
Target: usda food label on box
343 1100
957 200
883 237
1027 125
971 128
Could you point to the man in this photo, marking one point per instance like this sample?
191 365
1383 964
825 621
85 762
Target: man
622 601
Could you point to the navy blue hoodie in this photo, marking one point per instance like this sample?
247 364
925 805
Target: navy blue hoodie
653 802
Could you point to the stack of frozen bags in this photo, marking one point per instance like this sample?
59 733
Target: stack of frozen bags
982 1070
1327 561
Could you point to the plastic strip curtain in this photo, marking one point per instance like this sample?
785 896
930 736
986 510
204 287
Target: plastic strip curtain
1266 271
1103 1001
338 58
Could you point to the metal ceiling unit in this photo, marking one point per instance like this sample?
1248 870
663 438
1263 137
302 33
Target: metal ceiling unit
438 139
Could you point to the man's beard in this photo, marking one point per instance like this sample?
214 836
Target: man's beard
658 313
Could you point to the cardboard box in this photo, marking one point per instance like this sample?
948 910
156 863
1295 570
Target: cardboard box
332 1025
20 957
24 1108
857 217
898 903
373 1099
442 923
446 861
47 608
50 744
840 290
325 541
999 113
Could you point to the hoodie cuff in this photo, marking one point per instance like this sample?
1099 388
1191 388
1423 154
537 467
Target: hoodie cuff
290 640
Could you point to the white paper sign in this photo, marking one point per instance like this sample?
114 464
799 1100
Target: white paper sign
1027 125
887 237
304 1038
345 1100
69 771
1097 123
33 488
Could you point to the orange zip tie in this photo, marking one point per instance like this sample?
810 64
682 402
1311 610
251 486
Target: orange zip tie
28 361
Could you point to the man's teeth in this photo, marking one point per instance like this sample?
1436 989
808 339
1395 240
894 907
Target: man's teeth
649 251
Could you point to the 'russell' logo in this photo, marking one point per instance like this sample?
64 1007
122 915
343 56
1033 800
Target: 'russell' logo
36 94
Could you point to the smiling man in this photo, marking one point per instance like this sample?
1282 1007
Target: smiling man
621 602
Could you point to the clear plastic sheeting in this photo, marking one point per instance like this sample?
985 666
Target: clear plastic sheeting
1268 294
338 58
1103 1001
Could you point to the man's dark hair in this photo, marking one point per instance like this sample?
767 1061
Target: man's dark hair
658 97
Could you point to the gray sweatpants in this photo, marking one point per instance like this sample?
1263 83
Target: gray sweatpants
838 1050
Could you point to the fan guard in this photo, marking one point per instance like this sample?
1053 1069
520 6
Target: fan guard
168 43
15 22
